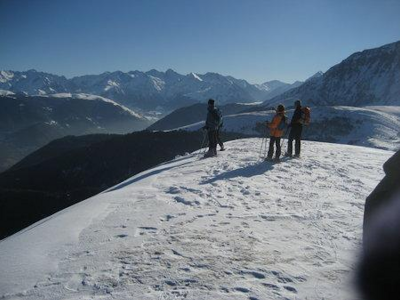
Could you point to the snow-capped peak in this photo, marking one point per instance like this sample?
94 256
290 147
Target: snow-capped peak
6 76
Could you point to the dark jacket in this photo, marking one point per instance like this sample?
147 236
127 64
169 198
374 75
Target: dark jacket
213 120
297 117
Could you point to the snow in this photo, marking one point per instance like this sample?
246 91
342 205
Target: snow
230 227
84 96
372 126
195 76
111 84
6 76
6 93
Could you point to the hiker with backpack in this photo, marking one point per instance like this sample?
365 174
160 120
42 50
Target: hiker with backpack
277 127
301 116
213 124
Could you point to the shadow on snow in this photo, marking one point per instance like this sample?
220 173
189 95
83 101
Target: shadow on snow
248 171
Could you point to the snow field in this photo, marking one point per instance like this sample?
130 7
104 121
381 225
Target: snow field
230 227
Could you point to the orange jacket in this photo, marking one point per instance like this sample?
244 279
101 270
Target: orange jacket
273 126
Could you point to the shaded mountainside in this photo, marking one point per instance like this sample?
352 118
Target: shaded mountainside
370 77
192 114
28 123
71 169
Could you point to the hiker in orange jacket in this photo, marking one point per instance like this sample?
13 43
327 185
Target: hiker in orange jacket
277 128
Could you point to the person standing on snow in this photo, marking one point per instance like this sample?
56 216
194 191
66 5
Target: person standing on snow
276 127
212 125
296 128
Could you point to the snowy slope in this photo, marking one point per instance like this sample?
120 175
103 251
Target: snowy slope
84 96
377 126
231 227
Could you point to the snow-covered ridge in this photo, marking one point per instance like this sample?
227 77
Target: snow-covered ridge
6 93
371 126
231 227
84 96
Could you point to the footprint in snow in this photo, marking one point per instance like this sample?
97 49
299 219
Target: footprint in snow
121 236
167 218
145 230
242 289
290 289
186 202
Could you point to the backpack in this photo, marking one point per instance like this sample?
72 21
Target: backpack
282 125
218 117
306 115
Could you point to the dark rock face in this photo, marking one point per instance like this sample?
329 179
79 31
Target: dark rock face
385 191
379 268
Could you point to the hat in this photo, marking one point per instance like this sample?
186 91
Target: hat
280 108
297 102
211 102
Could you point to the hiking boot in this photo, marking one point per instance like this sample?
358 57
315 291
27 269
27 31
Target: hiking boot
268 159
288 154
277 159
211 153
222 148
296 156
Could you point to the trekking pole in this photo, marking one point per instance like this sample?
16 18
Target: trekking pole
261 146
283 136
263 143
203 142
265 147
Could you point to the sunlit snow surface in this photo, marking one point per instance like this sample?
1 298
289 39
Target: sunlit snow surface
230 227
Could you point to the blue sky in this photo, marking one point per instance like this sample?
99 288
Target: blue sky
257 40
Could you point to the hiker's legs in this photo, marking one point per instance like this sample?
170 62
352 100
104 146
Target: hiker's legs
271 147
290 143
212 138
298 141
278 147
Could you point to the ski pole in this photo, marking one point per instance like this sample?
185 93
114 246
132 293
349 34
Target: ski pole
203 142
263 143
283 136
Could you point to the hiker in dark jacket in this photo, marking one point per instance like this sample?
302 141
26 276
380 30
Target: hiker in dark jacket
212 125
296 128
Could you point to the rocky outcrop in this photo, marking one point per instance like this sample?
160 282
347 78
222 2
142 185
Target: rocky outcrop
379 267
385 191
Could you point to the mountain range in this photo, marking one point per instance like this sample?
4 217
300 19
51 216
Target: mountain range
370 77
150 90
